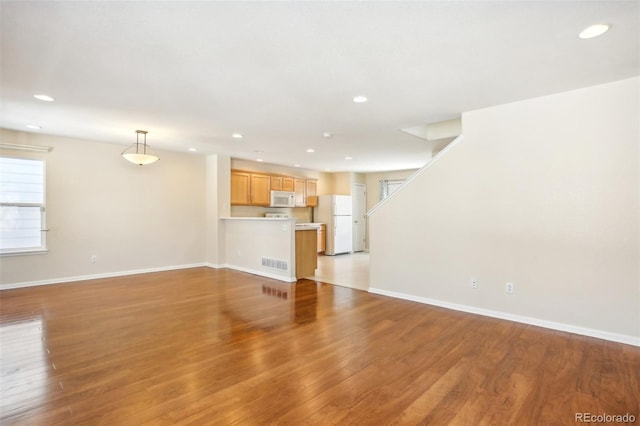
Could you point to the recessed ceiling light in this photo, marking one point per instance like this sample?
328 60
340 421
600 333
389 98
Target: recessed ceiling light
594 31
311 150
259 160
192 149
360 99
33 126
326 135
237 135
45 98
296 165
348 158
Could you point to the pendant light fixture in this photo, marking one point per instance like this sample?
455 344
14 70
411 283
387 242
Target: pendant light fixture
140 153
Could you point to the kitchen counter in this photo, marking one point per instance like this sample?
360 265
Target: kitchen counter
308 226
273 247
260 245
278 219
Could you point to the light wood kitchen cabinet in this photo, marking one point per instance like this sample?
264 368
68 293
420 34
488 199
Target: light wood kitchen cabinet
250 189
287 183
260 190
254 189
240 188
311 199
276 183
300 188
321 238
305 188
312 187
306 256
281 183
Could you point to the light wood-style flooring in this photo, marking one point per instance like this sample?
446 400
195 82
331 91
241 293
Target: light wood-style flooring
346 270
203 346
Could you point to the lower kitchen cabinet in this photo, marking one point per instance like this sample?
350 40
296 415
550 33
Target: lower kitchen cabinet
306 255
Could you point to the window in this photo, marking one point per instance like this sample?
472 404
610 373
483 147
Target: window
22 209
387 187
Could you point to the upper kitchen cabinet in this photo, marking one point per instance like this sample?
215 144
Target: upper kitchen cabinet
276 183
260 190
281 183
305 188
312 189
250 189
240 188
254 189
300 188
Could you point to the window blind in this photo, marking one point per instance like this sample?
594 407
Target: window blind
22 209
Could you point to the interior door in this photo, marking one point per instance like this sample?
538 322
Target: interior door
359 199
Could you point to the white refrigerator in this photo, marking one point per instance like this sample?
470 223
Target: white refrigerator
335 212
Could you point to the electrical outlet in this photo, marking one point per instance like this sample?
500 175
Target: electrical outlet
94 258
509 288
474 283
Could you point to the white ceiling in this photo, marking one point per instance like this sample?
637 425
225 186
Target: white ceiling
282 73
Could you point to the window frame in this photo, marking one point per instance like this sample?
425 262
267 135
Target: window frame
389 186
43 248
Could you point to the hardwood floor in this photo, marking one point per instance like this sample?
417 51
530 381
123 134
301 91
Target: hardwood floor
203 346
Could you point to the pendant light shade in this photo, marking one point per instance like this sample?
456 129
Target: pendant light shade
140 153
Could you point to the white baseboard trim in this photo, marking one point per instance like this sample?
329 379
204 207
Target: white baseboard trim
605 335
142 271
261 273
98 276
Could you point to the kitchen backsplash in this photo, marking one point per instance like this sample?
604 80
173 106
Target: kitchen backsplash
301 213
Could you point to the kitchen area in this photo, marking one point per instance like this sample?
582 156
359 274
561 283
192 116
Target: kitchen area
281 223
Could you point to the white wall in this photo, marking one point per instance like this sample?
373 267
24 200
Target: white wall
247 240
543 193
130 217
218 189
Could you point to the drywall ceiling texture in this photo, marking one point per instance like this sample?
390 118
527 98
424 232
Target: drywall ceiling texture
543 193
130 217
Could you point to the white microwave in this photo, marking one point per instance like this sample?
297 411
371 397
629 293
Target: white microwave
283 199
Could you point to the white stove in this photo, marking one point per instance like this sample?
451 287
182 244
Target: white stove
277 215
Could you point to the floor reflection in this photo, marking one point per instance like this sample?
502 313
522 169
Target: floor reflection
276 292
132 346
24 365
306 301
277 304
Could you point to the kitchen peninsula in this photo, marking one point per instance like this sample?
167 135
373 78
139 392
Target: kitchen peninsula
270 247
